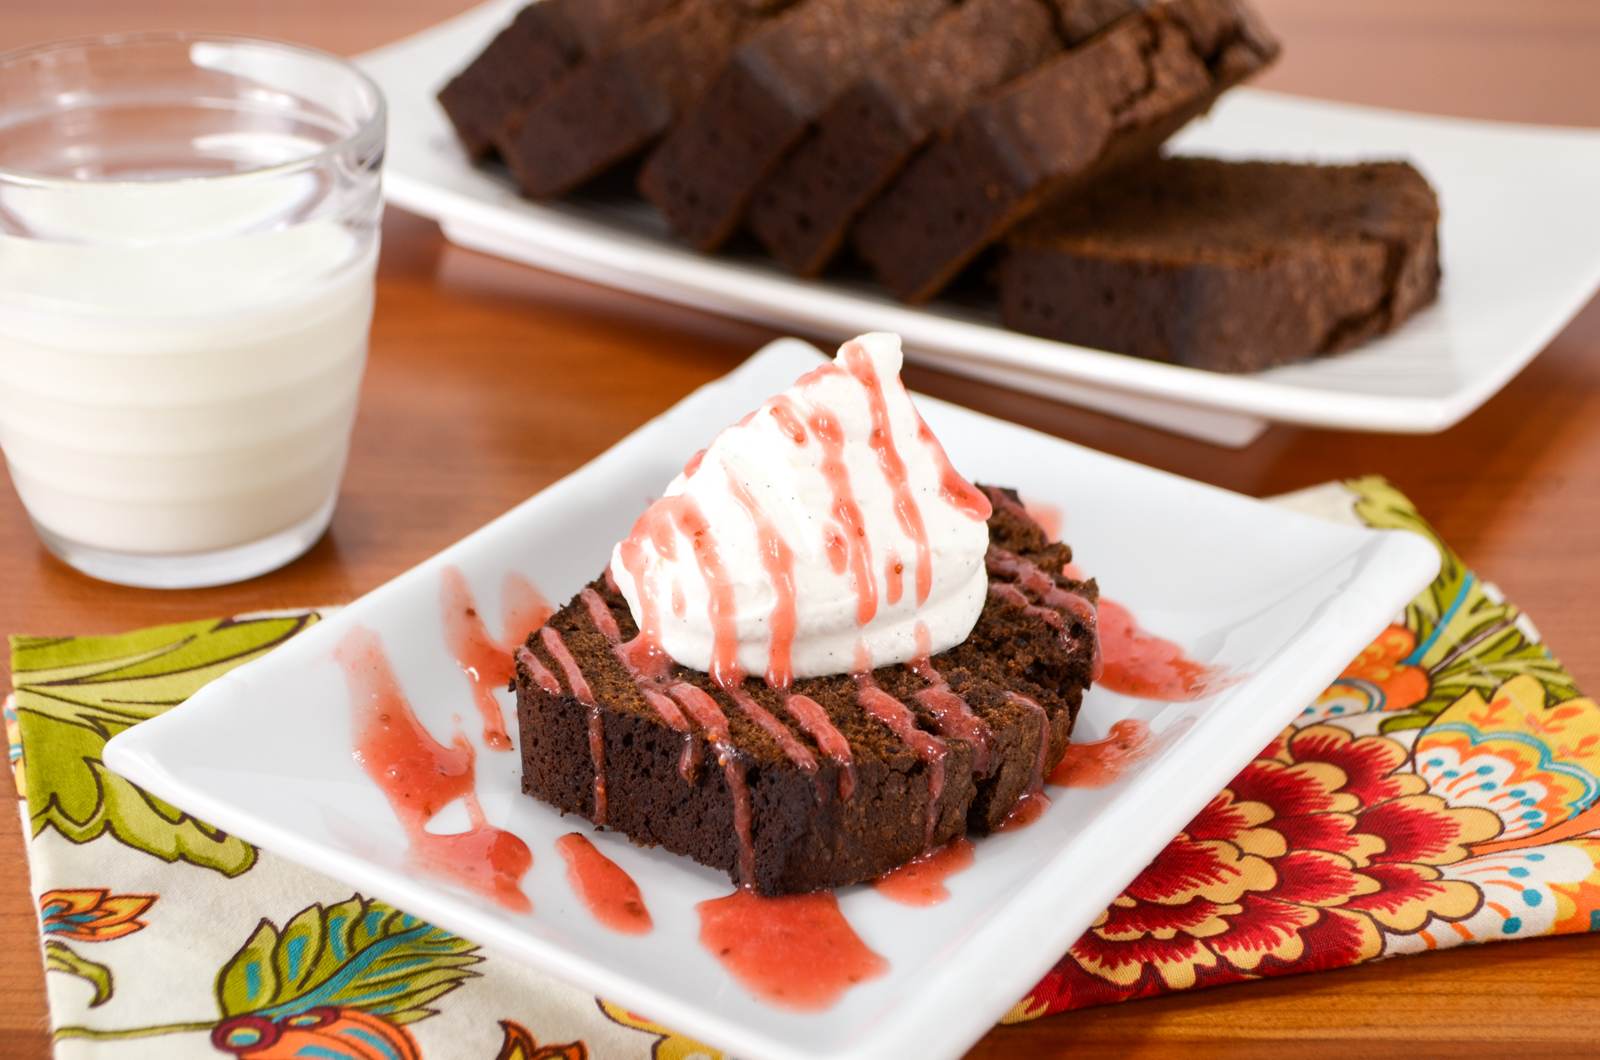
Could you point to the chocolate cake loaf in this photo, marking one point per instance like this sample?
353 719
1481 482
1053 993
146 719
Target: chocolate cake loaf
804 210
703 174
614 106
544 42
1231 266
838 779
1105 104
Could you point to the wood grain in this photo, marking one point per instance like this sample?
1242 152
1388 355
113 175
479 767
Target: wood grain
488 380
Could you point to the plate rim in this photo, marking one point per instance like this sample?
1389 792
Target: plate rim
1398 564
546 238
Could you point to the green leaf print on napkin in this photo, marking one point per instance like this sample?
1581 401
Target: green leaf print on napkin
355 955
1469 638
74 694
59 957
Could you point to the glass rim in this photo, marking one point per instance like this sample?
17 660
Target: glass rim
372 124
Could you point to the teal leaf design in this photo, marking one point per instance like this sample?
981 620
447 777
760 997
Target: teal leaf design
359 954
59 957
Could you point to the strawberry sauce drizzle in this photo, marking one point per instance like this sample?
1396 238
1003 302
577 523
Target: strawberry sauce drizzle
710 718
1047 516
1029 577
894 714
796 951
631 552
1026 810
961 495
1101 762
850 543
606 623
815 723
951 713
788 416
523 609
419 776
604 886
1139 663
487 662
1017 598
793 749
921 881
894 572
1001 500
557 647
656 526
538 671
856 361
777 558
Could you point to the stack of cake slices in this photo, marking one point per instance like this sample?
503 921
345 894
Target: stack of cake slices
833 780
1013 142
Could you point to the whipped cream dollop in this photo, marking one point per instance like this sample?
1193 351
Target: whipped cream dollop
824 533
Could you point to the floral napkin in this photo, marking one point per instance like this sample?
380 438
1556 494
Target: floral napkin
1441 791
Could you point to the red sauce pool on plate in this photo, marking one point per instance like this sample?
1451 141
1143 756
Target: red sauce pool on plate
419 776
1139 663
921 880
605 887
1101 762
487 662
1027 810
796 951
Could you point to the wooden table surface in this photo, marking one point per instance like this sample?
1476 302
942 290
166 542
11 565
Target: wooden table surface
488 380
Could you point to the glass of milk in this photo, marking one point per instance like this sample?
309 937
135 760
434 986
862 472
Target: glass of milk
188 234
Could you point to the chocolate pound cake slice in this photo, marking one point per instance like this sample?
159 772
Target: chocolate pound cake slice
614 106
834 780
1100 106
1231 266
777 81
544 42
804 210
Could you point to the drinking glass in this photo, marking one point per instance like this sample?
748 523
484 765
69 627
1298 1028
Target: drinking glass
188 237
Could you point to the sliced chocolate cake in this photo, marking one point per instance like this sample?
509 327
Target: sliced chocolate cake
922 653
834 780
1098 107
703 174
543 42
616 105
1231 266
804 210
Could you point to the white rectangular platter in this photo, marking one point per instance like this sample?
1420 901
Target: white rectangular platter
1281 600
1520 245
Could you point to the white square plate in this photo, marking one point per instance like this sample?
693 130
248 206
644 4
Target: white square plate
1282 600
1520 239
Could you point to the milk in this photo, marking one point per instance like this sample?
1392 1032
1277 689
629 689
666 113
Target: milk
173 379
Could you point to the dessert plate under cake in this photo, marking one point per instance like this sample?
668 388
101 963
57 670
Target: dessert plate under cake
1279 600
1503 299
